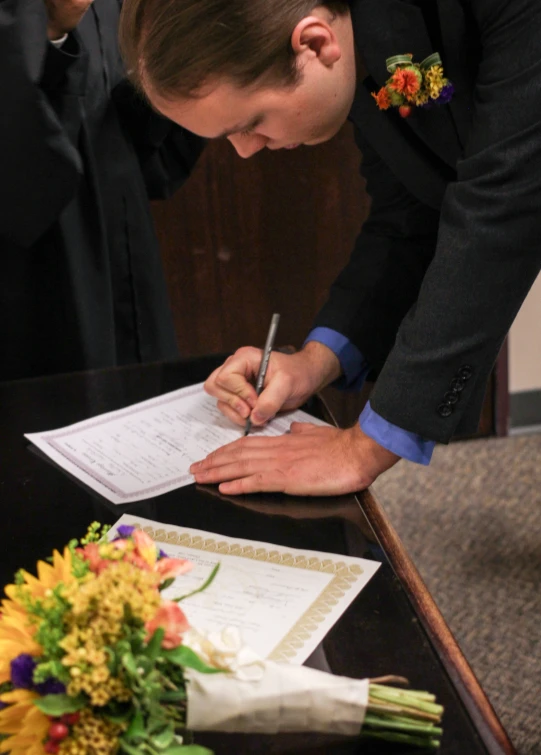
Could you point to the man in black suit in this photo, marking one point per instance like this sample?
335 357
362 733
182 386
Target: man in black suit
81 284
453 240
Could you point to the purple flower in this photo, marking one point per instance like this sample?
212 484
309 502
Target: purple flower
3 705
22 671
51 687
446 94
162 554
125 530
22 677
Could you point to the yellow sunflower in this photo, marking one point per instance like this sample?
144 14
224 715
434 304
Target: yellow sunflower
49 575
26 724
15 638
16 631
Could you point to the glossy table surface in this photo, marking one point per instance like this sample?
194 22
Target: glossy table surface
392 627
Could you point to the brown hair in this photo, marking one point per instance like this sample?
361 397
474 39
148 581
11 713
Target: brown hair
175 46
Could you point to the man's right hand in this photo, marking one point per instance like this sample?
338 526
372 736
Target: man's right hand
291 379
64 16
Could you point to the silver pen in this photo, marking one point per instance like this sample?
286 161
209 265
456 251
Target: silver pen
269 343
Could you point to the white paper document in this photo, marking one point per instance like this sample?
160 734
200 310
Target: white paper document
146 449
282 600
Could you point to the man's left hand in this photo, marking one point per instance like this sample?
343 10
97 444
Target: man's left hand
309 460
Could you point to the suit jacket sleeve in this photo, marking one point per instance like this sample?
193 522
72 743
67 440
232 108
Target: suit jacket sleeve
489 249
381 281
39 122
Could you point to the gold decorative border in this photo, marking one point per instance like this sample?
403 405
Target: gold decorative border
344 576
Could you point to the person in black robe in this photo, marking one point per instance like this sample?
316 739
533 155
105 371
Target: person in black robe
82 284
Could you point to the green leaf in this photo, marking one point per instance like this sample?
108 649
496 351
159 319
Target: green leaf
185 657
117 718
154 646
128 661
163 739
137 726
204 586
57 705
128 748
166 583
144 665
173 697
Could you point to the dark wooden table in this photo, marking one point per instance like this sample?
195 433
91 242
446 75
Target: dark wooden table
392 627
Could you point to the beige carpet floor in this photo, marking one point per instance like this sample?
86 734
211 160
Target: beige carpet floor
471 522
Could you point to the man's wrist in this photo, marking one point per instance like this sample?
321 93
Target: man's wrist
324 364
406 444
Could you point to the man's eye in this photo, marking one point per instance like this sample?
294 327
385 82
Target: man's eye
251 128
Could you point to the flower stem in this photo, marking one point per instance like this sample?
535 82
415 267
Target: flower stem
403 738
402 715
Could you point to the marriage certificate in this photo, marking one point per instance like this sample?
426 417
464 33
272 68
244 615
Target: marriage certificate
146 449
282 600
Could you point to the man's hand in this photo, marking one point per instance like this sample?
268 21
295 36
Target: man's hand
64 16
309 460
291 379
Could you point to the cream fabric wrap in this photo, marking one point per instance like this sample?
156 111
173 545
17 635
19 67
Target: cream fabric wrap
258 696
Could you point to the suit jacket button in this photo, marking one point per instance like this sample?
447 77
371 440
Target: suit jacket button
445 410
465 372
457 384
451 397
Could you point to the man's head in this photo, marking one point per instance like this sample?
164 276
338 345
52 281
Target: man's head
263 73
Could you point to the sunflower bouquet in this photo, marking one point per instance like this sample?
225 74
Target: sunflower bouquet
93 661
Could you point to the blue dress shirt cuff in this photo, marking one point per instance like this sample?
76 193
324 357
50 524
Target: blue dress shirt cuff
402 442
354 366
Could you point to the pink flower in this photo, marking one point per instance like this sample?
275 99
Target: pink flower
91 553
145 547
135 559
172 619
172 567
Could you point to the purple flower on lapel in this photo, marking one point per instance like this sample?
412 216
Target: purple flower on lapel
446 94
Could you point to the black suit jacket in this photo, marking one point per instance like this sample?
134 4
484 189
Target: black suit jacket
81 278
453 241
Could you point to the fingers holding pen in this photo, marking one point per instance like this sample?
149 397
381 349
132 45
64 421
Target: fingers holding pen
232 384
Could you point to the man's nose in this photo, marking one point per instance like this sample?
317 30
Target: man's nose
247 146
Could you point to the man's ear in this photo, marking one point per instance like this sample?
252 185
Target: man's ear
316 37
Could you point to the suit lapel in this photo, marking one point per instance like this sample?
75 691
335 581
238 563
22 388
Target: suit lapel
392 27
411 162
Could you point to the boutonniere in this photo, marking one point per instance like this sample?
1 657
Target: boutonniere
414 84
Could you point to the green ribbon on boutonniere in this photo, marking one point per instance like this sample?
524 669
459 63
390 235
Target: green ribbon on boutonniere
414 84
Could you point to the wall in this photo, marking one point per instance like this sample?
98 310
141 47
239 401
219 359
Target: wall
525 344
525 364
